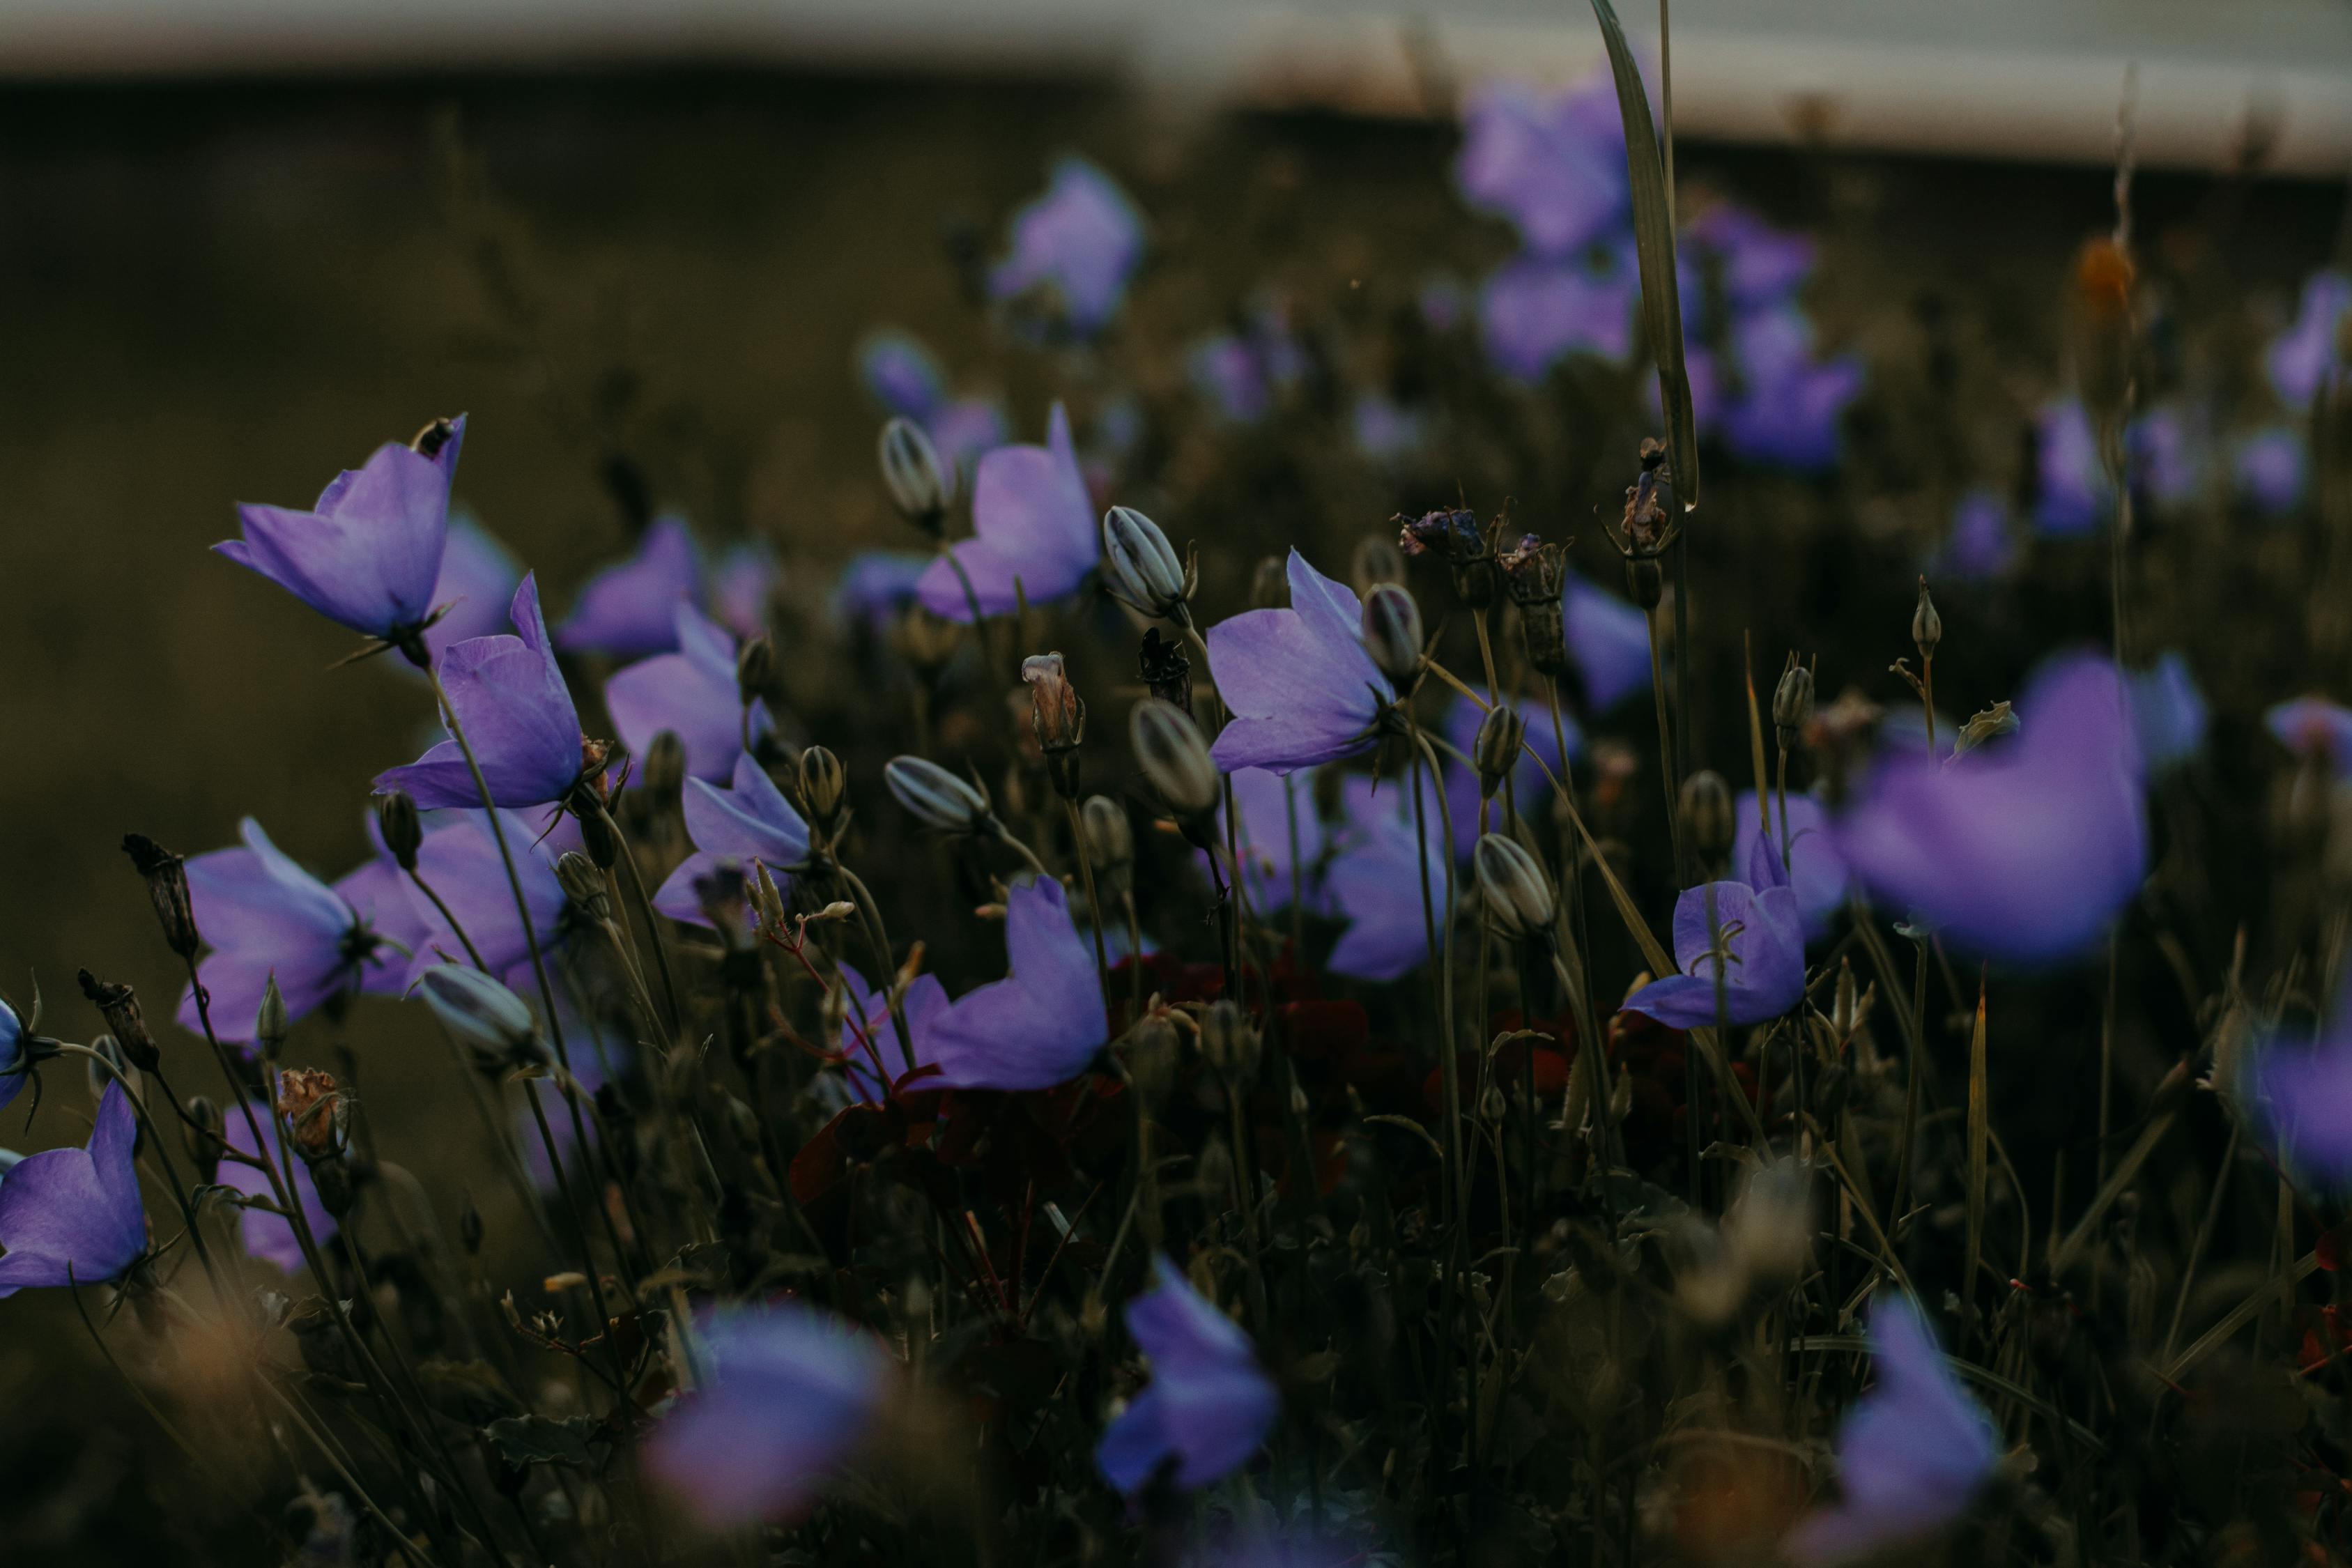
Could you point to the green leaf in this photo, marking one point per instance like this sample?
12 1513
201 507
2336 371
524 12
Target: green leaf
1653 242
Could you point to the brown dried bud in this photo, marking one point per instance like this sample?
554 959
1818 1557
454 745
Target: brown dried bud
396 819
316 1113
167 889
118 1005
1644 584
201 1133
1058 717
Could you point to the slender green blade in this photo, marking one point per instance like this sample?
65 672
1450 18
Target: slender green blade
1654 243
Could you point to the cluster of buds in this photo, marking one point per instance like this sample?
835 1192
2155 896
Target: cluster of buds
1536 574
1648 530
1058 717
1454 537
1173 756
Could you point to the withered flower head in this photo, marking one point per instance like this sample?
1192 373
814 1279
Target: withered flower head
167 888
1058 718
1451 535
118 1005
316 1113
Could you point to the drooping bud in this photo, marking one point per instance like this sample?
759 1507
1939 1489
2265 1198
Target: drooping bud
396 819
269 1022
755 669
1169 748
1792 703
1140 567
1230 1043
1167 670
1707 816
1517 893
1498 749
1927 626
939 799
1392 626
167 888
1058 717
823 791
584 884
118 1005
1377 561
1110 838
663 775
479 1012
597 834
1270 584
921 486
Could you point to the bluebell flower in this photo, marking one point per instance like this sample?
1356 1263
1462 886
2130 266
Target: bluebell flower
1758 265
1210 1404
630 608
1384 431
1034 525
1554 165
15 1059
72 1216
1044 1023
477 576
2311 348
1818 875
1080 242
2309 724
1741 946
733 827
1298 682
2271 470
741 585
1533 313
692 693
2299 1086
1981 544
876 585
2167 713
1789 405
1374 880
901 375
461 863
2071 494
867 1032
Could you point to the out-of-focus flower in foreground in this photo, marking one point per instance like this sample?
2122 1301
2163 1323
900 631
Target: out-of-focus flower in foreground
2302 1091
1552 165
1078 243
73 1215
1210 1406
2309 725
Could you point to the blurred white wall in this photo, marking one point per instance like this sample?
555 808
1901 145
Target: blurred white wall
2034 79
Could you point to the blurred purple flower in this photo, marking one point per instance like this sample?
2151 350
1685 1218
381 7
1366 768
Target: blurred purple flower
263 915
751 821
1981 544
1044 1023
1553 165
1265 803
901 375
1224 370
1210 1404
461 864
72 1216
2023 850
1443 305
2163 449
1033 519
1818 876
1374 880
2271 470
630 608
1301 686
1383 430
787 1393
510 696
1911 1453
1527 783
270 1236
741 585
1081 240
1789 405
2300 1086
2301 357
1757 264
478 578
2309 724
2071 495
926 1003
1748 933
877 585
966 430
1608 643
1532 314
368 555
2167 713
692 692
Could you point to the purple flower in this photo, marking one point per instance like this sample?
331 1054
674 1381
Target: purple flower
1911 1453
1553 166
270 1236
876 585
2301 357
265 915
2021 851
1608 643
2167 713
2309 724
1268 805
591 1048
478 578
2271 470
900 375
2071 494
1789 406
1301 686
1384 430
692 692
1741 946
1374 882
510 696
1528 785
1224 370
787 1393
2163 450
14 1061
1034 521
873 1034
377 891
461 864
1757 264
630 609
1532 314
2301 1089
72 1216
1818 876
732 827
1040 1025
1981 544
1210 1404
368 554
967 430
741 585
1080 241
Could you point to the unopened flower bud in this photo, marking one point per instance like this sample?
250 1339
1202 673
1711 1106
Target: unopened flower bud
663 775
118 1005
1644 584
1377 561
1518 894
1058 717
201 1135
1110 838
1492 1107
1707 814
396 819
584 884
938 798
1391 630
823 791
921 486
1150 1054
755 667
1168 747
1792 703
597 834
478 1010
269 1023
767 900
1230 1042
1927 626
1140 567
1497 751
1270 584
167 888
332 1180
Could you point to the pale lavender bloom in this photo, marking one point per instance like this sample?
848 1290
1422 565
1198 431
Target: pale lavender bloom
1911 1453
692 692
2164 450
1528 785
1210 1406
1301 688
1552 165
1081 240
874 1035
1033 523
1741 946
2167 713
263 915
1758 264
268 1236
1981 544
876 585
1608 643
1268 805
1044 1023
368 553
477 578
72 1216
2271 470
1384 430
1223 369
1789 407
786 1395
966 430
2301 1089
733 827
2071 494
1818 876
901 374
2310 724
630 609
377 890
509 695
2304 355
462 865
1532 314
2021 851
1374 882
741 585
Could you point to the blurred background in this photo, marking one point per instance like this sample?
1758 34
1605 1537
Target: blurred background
242 243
